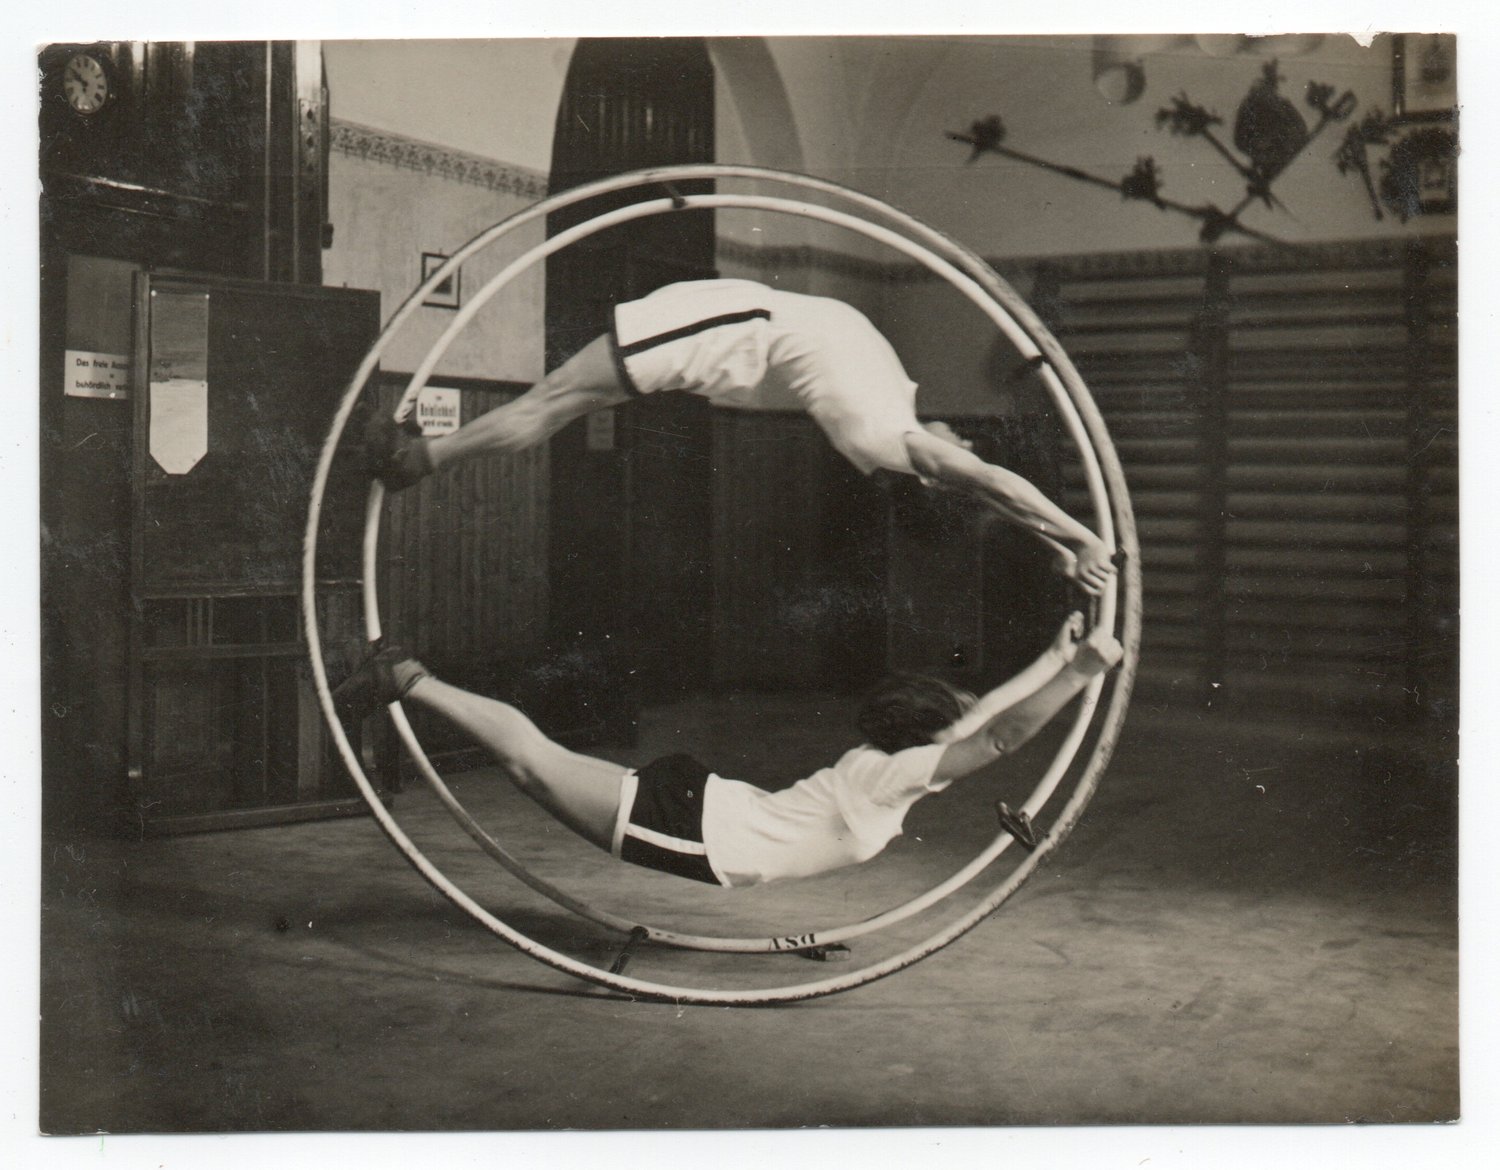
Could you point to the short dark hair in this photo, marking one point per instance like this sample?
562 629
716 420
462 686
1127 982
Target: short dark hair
908 710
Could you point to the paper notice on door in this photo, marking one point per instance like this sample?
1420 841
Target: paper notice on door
438 410
179 379
96 375
179 335
179 424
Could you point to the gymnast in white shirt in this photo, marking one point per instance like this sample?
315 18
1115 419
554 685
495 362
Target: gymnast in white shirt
678 816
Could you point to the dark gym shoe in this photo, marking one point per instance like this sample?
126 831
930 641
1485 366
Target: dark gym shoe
396 453
381 678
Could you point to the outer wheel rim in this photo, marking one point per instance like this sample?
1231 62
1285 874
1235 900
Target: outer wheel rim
1107 491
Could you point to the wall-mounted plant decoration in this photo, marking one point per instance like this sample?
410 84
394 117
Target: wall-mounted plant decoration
1269 134
1418 170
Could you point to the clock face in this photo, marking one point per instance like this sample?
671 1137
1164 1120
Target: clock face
85 83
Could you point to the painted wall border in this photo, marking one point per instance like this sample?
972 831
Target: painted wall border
412 154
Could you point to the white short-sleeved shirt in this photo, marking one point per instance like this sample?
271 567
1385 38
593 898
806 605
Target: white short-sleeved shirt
838 816
739 343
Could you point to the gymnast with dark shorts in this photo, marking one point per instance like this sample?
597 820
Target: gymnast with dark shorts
676 815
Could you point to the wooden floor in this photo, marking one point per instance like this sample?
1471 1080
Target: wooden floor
1250 925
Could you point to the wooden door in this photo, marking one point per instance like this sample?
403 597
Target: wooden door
207 157
632 490
234 385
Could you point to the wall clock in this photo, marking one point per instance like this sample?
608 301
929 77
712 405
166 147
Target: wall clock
85 84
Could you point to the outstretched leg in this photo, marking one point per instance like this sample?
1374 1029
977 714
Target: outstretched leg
586 382
580 791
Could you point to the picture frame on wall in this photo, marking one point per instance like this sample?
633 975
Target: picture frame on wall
447 294
1424 77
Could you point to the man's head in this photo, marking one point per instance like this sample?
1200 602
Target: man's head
909 710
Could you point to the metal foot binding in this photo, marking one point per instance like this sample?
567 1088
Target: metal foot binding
827 953
637 936
1018 825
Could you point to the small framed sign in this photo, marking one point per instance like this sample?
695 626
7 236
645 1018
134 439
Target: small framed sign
439 409
446 294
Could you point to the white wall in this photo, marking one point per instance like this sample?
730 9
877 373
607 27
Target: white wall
435 141
493 98
873 112
385 216
1042 89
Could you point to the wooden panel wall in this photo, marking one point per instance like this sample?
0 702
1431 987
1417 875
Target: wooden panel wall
767 521
463 563
934 578
178 171
1133 340
210 156
799 558
218 686
1287 421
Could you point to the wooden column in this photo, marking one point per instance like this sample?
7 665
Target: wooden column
1210 353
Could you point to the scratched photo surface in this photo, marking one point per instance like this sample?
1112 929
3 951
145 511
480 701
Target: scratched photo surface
580 371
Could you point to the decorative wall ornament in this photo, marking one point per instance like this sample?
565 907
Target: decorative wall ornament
1269 134
411 154
1418 174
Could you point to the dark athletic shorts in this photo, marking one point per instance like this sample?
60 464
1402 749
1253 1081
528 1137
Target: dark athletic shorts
663 827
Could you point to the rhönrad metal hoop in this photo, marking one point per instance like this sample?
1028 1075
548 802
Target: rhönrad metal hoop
1108 495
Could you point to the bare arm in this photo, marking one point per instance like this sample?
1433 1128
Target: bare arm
1016 724
1026 683
586 382
939 456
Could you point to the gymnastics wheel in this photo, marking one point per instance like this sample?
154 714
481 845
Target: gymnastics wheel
1120 609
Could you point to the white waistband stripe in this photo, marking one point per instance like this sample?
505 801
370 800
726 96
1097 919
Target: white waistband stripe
629 783
662 841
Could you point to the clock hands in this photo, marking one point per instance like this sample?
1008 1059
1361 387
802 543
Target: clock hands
85 85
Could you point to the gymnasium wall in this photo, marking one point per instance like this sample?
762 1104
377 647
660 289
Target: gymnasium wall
1287 421
450 156
423 158
871 113
874 112
434 141
393 198
496 99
